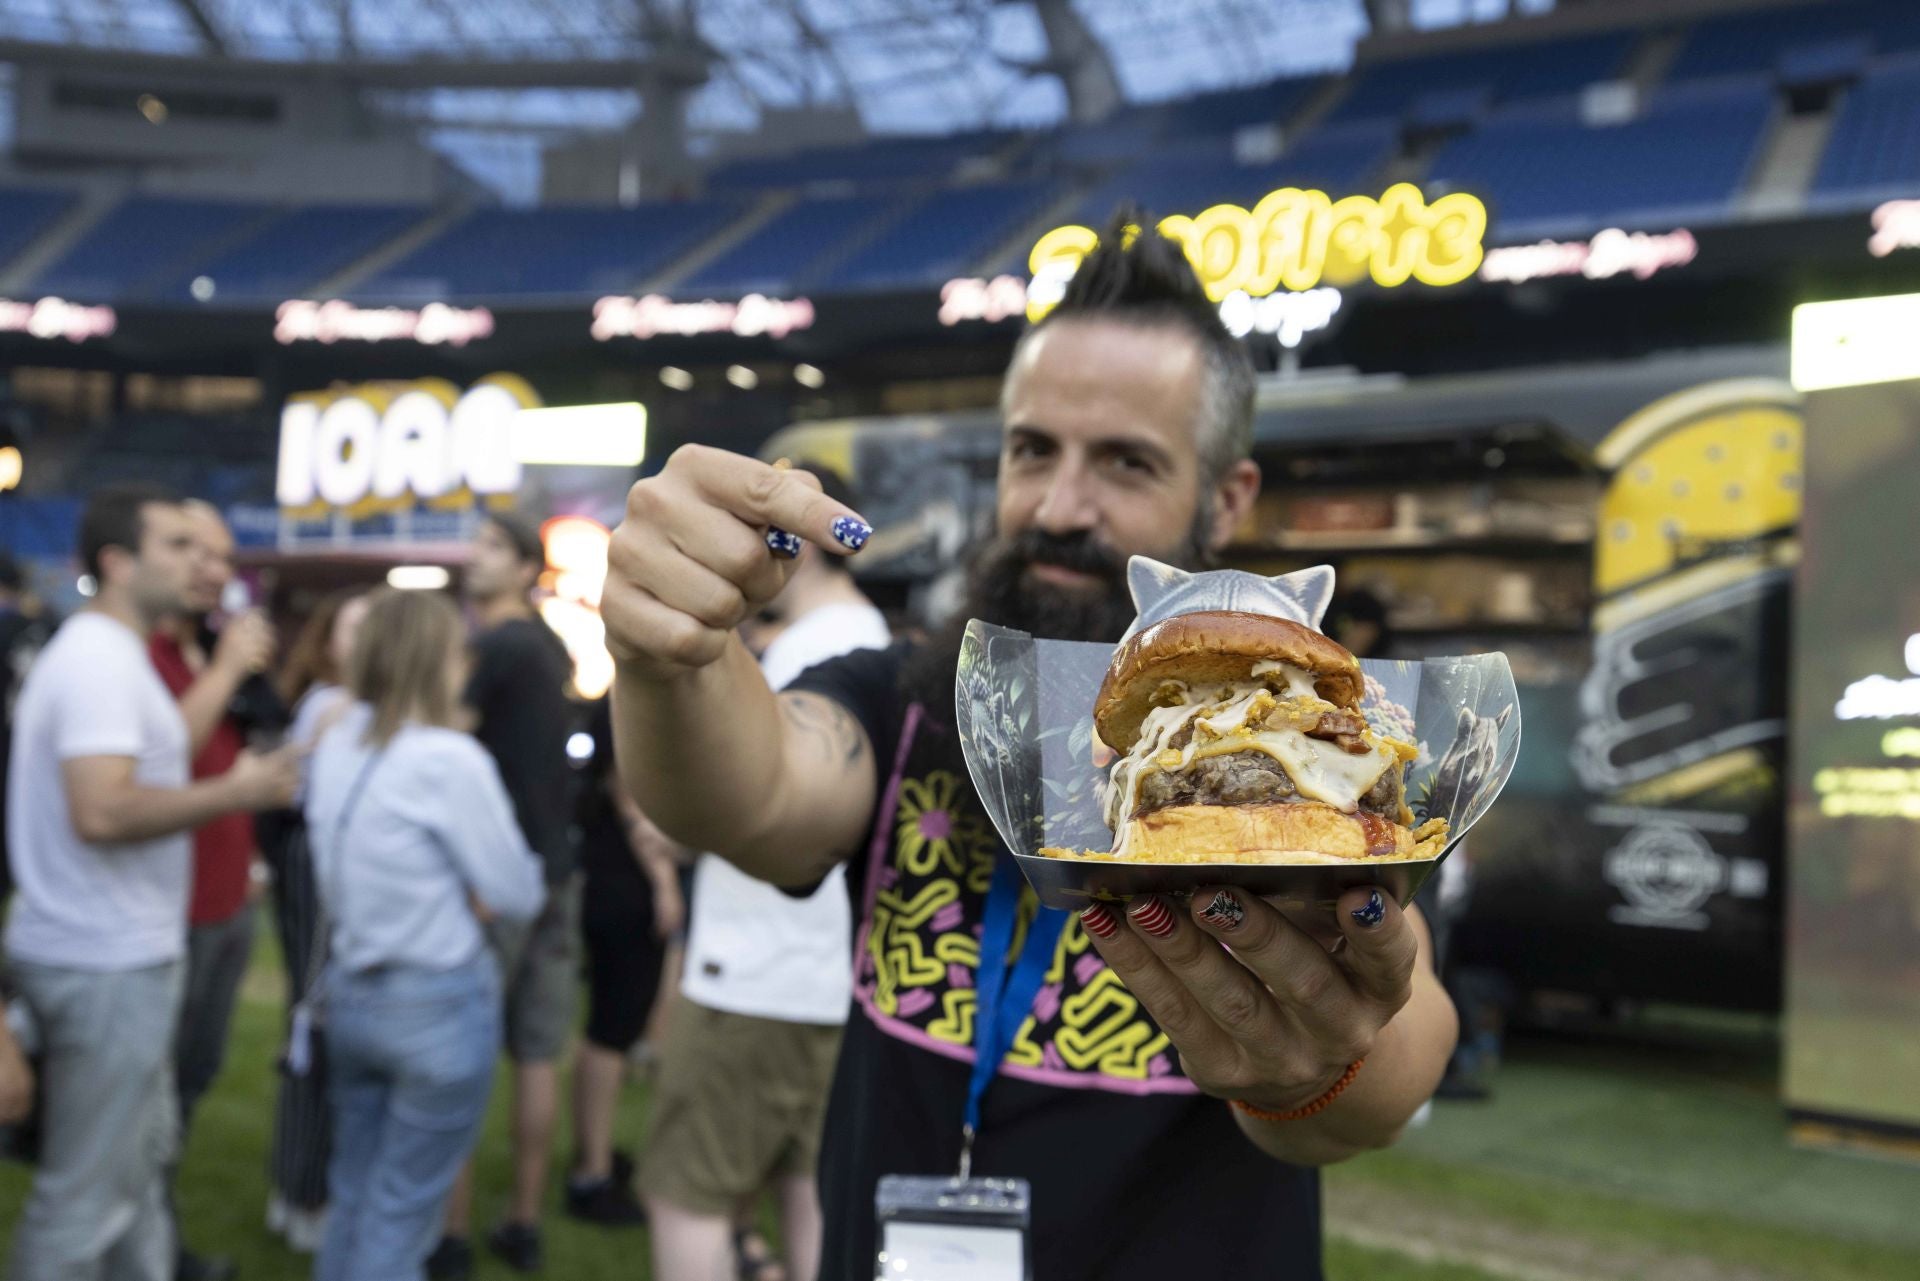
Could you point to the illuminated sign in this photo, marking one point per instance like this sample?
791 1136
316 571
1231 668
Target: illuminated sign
1612 252
57 318
576 571
434 325
655 314
1882 697
1289 317
1855 341
397 442
1896 225
1298 240
971 298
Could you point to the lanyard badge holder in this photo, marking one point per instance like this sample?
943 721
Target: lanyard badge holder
965 1228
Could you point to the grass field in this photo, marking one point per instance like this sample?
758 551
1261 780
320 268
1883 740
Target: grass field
1596 1162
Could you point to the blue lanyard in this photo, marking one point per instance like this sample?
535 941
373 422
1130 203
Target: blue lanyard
1004 1000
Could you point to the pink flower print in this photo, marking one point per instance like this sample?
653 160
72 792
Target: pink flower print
1087 966
1159 1066
959 976
889 876
948 918
1050 1057
936 825
913 1001
1046 1003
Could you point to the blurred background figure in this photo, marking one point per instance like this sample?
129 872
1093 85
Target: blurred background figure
206 679
767 981
24 628
630 908
517 697
415 845
313 683
101 807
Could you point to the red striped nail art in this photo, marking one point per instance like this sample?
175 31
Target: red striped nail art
1153 916
1099 921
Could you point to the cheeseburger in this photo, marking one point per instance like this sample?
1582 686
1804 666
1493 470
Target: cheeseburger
1241 741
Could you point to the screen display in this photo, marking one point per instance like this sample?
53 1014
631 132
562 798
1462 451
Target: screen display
1853 920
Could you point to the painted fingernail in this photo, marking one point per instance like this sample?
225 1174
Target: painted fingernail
1099 920
783 543
1153 915
1225 912
851 533
1372 912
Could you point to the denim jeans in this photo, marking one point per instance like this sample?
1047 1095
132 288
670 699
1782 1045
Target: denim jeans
412 1055
98 1209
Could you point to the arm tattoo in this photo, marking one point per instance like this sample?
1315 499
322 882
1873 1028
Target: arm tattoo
828 730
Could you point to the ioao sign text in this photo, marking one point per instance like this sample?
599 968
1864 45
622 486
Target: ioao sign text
398 442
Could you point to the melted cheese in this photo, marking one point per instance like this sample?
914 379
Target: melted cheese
1228 718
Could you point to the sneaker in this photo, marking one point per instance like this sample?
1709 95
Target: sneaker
623 1167
608 1202
451 1260
517 1245
306 1229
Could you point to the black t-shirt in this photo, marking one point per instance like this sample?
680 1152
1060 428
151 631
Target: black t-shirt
606 856
1135 1174
519 689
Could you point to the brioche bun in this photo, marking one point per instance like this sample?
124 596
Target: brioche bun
1295 832
1215 647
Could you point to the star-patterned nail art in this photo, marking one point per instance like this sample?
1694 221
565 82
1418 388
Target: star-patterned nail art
1372 912
851 532
782 543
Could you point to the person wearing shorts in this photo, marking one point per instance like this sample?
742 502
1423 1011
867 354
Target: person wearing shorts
752 1038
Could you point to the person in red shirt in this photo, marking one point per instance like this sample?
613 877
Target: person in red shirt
220 922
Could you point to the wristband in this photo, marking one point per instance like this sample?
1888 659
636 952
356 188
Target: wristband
1302 1113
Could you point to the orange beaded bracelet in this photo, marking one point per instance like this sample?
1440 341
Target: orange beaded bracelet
1302 1113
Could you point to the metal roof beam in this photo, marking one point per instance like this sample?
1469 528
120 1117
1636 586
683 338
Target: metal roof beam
216 43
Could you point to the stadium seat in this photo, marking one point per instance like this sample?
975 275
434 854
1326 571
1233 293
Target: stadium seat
144 239
1875 145
791 243
1543 170
559 251
1755 42
294 252
1388 90
26 213
877 161
942 237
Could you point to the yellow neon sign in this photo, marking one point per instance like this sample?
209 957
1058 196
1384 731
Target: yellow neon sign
1298 240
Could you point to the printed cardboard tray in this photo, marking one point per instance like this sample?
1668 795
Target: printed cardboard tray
1024 709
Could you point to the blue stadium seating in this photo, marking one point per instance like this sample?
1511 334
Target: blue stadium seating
788 246
1687 155
562 251
877 161
1875 145
294 252
1188 177
1223 112
142 238
1390 90
943 236
26 213
1755 42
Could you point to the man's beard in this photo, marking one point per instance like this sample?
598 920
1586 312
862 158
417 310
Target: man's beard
1000 590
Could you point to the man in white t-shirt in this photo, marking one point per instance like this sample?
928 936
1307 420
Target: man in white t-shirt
99 816
744 1076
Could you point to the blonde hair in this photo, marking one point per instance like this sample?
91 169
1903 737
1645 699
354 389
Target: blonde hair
398 665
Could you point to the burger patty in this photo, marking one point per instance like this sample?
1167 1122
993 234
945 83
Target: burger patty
1250 778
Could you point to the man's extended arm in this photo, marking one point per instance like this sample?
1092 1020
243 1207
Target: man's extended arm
781 785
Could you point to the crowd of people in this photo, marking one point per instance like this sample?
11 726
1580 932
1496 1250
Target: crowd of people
866 989
405 791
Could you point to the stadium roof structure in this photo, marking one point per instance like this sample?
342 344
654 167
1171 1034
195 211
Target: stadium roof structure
905 65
